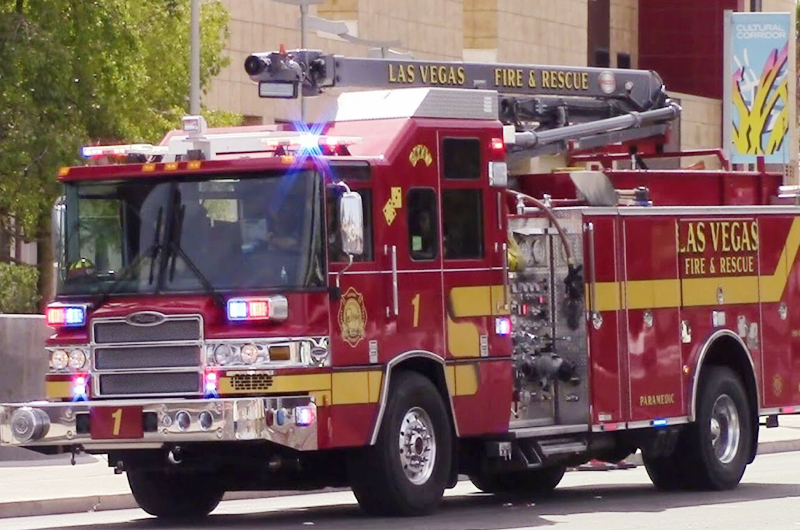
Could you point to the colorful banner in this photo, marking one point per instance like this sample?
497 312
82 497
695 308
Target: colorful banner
757 87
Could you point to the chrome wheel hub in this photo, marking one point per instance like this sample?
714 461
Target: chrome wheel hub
417 444
725 429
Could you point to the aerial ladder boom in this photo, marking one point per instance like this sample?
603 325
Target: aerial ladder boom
552 108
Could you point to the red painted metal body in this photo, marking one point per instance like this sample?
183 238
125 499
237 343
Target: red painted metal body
641 367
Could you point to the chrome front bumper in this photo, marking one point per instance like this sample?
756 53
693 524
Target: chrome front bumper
273 419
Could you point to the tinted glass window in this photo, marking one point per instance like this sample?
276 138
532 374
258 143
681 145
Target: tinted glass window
422 232
462 158
463 224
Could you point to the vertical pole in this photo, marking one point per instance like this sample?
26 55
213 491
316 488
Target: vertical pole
194 90
727 87
303 13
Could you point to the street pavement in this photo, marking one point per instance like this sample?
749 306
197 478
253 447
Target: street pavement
620 500
50 485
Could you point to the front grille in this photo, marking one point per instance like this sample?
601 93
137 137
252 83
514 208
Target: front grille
251 382
140 384
109 332
146 357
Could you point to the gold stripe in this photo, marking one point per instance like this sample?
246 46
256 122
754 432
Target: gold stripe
350 388
321 397
653 294
462 379
58 389
375 379
463 339
477 301
450 378
735 289
467 379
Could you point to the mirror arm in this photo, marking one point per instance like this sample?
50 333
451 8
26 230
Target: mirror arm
339 274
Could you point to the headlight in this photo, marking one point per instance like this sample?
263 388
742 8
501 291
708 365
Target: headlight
59 360
249 354
223 354
77 359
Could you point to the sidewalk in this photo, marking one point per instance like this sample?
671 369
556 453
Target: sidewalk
50 485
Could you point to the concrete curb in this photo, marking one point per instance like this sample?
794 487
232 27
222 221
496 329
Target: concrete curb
125 501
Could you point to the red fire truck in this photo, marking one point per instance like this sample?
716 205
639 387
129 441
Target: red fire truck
397 296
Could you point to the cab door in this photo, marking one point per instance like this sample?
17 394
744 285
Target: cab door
411 252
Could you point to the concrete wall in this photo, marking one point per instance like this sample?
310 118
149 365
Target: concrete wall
23 362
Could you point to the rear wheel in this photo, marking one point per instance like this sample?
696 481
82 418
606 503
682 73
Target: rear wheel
178 495
406 471
535 482
719 443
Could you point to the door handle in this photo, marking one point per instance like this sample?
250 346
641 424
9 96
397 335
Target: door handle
395 295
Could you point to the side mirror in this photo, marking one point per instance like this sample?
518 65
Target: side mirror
351 223
58 222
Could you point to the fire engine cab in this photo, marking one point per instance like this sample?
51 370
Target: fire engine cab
392 297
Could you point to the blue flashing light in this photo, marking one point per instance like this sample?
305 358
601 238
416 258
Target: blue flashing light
79 392
237 310
660 422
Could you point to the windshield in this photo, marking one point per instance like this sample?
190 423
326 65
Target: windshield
254 232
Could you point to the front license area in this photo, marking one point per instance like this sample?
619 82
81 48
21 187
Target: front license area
109 423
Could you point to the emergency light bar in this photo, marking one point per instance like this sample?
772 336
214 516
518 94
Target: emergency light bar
100 151
254 309
66 315
324 145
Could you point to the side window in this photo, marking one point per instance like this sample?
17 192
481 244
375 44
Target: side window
462 158
463 224
422 231
334 238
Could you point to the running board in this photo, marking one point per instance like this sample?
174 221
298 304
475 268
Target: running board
549 430
562 446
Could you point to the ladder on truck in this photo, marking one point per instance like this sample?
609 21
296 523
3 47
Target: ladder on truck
545 109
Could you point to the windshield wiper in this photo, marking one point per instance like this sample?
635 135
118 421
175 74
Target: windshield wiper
174 248
151 252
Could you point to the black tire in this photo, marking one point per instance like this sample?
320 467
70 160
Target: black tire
532 482
701 464
377 474
665 471
179 495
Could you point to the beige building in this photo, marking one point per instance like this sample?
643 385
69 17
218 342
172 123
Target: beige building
558 32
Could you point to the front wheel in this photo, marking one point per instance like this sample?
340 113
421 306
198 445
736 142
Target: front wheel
406 471
176 495
719 443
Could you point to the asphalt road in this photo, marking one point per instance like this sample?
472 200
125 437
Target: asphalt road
768 497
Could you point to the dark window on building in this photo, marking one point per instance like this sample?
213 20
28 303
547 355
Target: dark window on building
755 5
602 59
422 231
335 252
623 60
463 224
598 33
462 158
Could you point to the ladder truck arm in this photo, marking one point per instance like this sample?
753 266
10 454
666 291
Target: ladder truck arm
552 108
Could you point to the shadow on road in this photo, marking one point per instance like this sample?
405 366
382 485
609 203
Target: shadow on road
478 511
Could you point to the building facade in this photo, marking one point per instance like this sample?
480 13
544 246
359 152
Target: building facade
680 39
